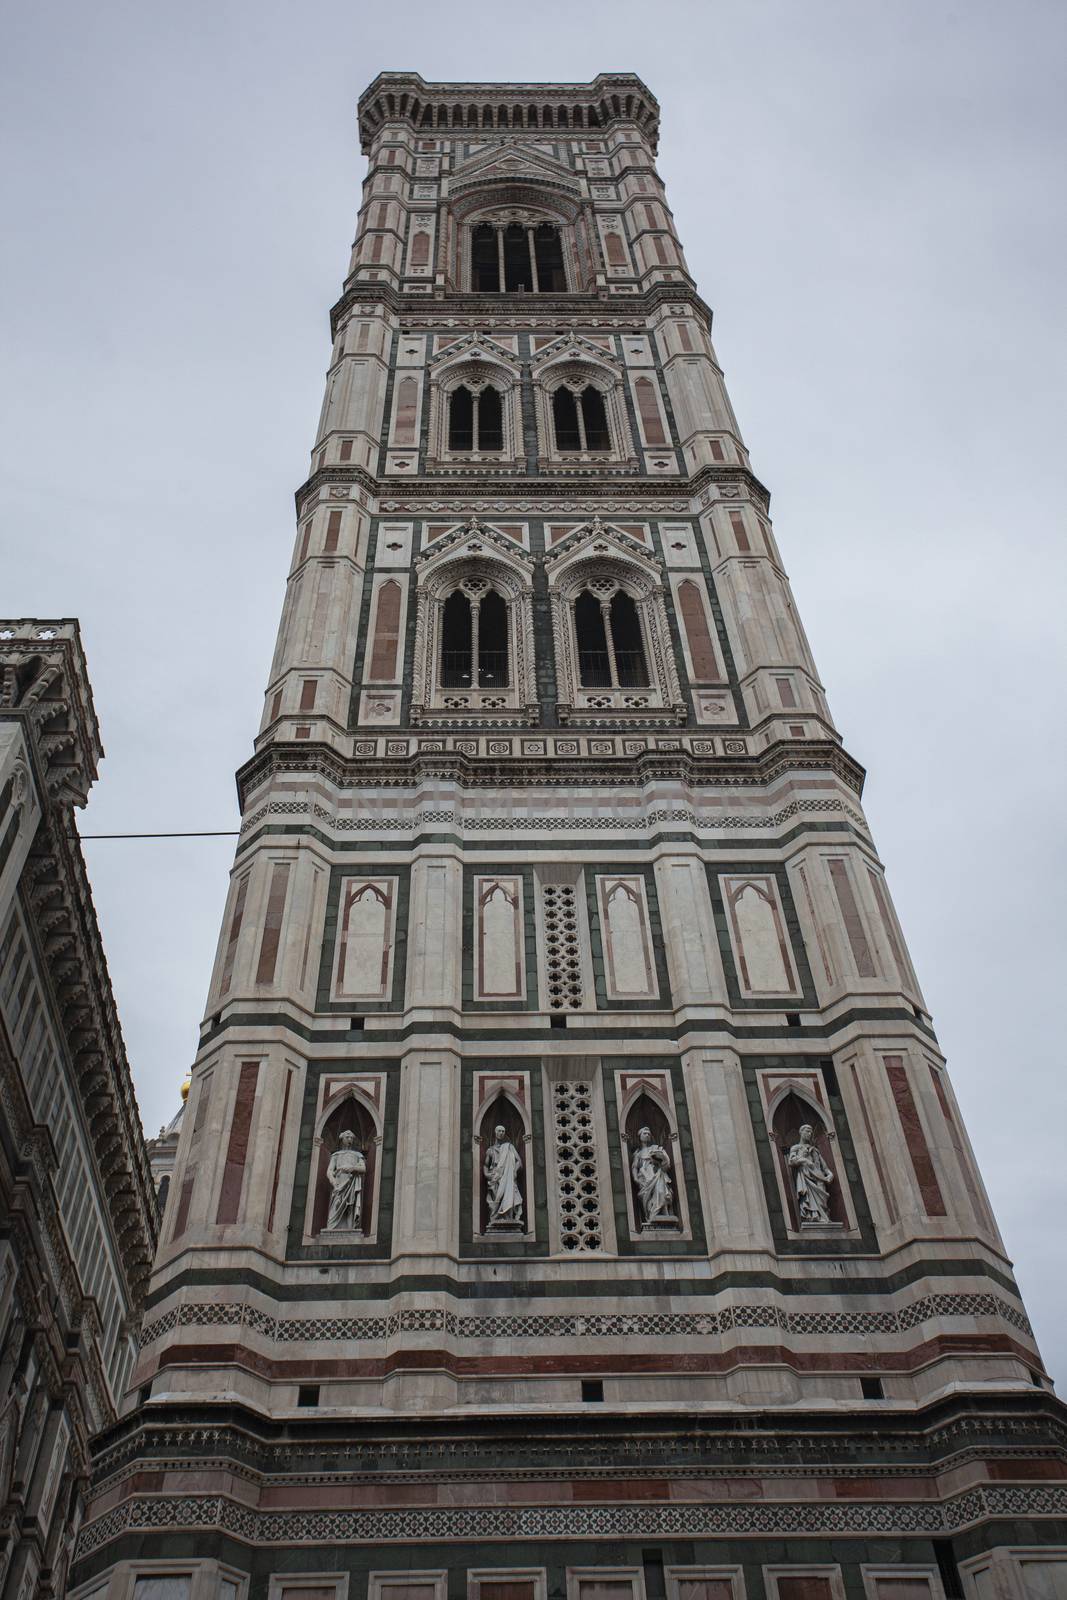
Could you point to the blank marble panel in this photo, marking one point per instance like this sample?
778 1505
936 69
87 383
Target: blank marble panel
499 939
629 960
759 937
366 916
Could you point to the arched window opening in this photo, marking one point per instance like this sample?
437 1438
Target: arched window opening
492 641
546 116
629 650
548 259
580 420
487 116
442 116
475 421
594 666
485 261
461 419
457 638
517 274
502 116
472 116
475 651
517 257
489 420
562 119
565 420
595 419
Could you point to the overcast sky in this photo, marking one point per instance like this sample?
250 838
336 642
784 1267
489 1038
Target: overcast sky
870 196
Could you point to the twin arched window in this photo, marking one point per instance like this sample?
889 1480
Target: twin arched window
474 638
579 419
475 419
514 256
611 649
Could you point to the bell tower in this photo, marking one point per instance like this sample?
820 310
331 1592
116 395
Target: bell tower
571 1199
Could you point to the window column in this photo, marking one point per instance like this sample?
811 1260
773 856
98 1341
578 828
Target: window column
533 258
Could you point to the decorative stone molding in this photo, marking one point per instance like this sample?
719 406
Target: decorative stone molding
602 559
474 555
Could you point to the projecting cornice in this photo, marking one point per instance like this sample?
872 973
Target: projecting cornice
493 108
44 689
480 772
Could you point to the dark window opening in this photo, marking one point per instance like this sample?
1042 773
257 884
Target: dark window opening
792 1019
592 1389
474 642
485 261
565 420
456 642
307 1394
629 646
490 420
492 641
580 420
517 258
517 274
596 420
461 419
594 666
548 257
871 1389
475 421
557 1022
357 1024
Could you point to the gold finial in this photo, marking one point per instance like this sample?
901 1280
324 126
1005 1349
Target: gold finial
186 1086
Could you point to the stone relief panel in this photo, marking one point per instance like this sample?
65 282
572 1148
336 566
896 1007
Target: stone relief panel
366 937
759 937
629 959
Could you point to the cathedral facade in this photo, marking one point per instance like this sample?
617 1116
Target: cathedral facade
571 1201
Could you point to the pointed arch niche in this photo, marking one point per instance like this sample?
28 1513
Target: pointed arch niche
610 632
501 1101
646 1100
790 1101
518 233
347 1104
474 646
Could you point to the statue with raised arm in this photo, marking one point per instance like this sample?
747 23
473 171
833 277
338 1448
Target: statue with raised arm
812 1178
345 1175
503 1164
651 1172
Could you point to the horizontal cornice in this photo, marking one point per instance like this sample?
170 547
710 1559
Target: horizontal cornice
476 772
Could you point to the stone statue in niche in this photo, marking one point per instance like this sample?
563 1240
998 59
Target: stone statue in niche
503 1164
811 1178
345 1175
650 1169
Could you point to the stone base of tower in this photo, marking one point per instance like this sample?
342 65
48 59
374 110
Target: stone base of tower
966 1497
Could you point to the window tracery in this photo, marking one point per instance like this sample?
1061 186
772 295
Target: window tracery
581 411
475 407
474 654
612 641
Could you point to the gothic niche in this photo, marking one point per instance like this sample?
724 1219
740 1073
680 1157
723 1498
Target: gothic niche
808 1167
500 1146
649 1143
344 1180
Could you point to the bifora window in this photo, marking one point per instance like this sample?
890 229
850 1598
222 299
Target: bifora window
474 639
510 257
475 420
611 650
579 419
